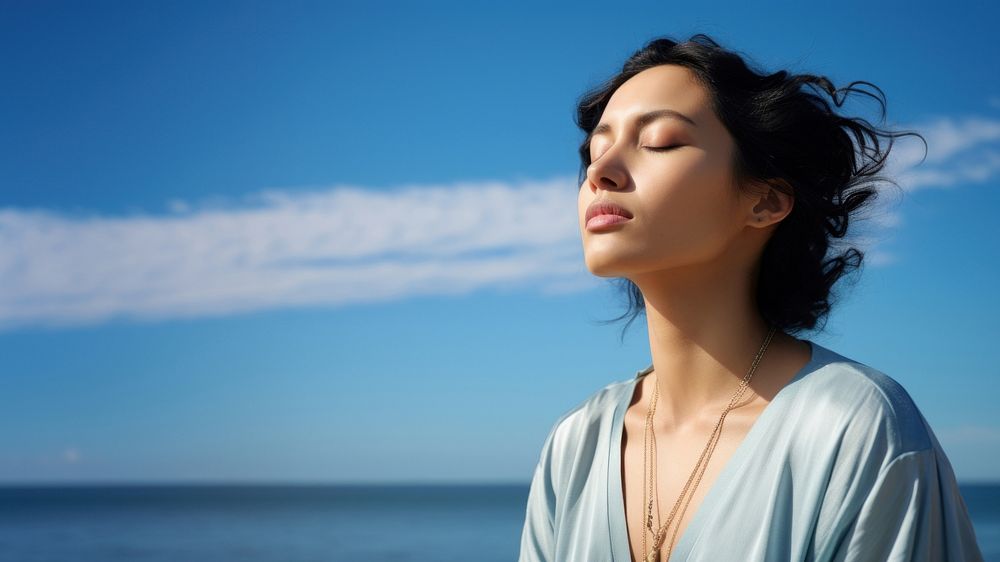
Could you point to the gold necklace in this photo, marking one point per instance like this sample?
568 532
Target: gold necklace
699 469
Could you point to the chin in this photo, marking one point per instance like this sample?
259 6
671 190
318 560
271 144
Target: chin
604 268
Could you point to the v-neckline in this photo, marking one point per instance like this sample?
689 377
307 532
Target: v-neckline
620 548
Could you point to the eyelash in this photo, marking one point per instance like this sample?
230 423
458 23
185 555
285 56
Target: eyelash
660 148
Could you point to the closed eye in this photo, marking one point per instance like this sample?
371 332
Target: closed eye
662 148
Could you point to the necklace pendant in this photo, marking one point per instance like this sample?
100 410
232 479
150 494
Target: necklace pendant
653 556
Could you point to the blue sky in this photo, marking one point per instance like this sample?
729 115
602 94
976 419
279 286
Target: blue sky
270 241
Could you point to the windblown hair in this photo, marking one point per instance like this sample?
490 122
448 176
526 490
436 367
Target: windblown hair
781 131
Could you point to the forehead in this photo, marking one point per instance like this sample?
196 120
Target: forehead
664 86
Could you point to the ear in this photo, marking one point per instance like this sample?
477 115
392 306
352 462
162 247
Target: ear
772 202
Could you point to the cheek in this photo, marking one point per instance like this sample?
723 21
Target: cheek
688 214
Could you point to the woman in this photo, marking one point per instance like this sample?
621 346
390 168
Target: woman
715 191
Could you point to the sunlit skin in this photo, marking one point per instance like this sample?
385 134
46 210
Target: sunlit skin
691 247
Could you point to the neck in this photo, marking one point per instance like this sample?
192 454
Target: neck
704 333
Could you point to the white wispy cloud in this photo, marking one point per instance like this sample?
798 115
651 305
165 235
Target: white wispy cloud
348 244
959 151
288 248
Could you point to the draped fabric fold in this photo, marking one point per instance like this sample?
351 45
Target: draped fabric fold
840 466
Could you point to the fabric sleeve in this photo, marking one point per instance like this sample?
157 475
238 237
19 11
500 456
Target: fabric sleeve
538 535
914 512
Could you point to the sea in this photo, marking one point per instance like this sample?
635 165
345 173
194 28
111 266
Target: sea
297 523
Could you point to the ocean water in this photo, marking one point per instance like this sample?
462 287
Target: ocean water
286 523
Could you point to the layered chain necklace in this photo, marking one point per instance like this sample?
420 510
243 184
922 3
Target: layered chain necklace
649 492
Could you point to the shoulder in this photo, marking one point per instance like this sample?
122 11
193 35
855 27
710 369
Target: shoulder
598 407
851 402
578 431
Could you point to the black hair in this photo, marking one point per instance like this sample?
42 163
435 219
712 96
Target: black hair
785 132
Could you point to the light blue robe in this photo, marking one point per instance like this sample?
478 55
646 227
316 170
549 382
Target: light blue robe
840 465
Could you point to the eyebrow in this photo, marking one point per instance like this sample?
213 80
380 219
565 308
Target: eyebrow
646 119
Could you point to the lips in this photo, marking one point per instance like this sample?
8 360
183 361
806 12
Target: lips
605 207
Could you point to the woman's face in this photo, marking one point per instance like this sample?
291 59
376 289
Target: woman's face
684 208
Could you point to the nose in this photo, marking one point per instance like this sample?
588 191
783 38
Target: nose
606 173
